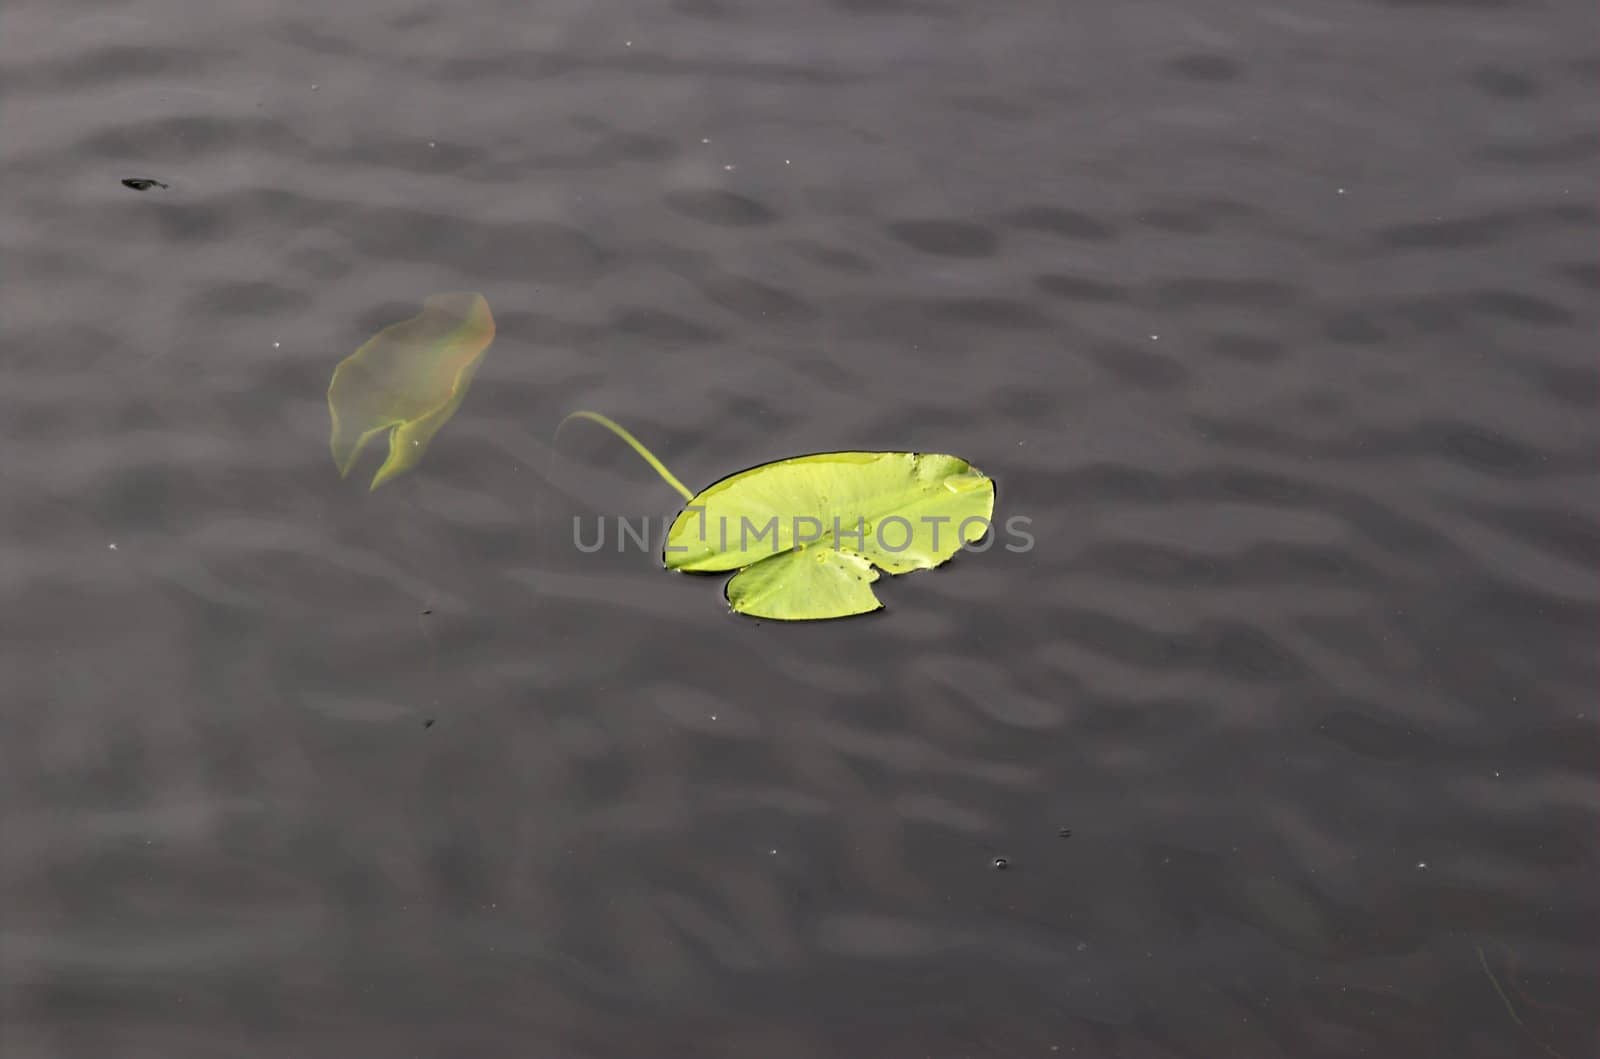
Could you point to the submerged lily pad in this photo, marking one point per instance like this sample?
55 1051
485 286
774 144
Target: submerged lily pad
408 379
808 535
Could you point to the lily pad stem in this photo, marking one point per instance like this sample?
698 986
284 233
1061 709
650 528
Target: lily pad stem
634 443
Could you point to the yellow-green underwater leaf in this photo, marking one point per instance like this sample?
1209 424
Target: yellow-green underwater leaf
407 380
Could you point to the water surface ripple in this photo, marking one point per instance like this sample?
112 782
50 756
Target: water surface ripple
1276 320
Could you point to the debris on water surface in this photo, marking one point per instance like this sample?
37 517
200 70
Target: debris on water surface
428 723
1065 832
1001 864
1512 1011
142 183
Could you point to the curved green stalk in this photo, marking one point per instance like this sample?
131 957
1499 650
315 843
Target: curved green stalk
634 443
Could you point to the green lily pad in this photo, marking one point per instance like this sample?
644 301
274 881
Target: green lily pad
808 582
805 533
808 535
408 380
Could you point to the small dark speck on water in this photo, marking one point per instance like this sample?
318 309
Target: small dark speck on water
428 723
142 183
427 612
1001 864
1065 832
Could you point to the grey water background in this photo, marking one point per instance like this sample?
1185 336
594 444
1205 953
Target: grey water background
1278 321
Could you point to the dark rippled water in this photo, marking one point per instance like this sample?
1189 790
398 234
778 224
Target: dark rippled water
1278 320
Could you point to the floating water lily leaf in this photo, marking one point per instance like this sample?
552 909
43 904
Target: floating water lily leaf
811 581
408 379
809 534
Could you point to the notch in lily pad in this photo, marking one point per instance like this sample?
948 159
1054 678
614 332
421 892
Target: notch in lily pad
806 537
407 381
